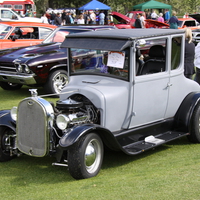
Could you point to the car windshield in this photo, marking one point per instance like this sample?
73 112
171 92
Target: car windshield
180 23
100 62
59 34
4 29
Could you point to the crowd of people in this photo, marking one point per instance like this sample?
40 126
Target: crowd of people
164 18
68 17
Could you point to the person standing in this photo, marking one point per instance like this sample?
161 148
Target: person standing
44 18
67 18
86 17
160 18
166 16
189 54
154 16
80 19
63 17
92 17
142 19
53 15
186 15
197 63
101 18
138 23
58 19
173 21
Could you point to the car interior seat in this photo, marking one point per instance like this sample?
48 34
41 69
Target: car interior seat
156 61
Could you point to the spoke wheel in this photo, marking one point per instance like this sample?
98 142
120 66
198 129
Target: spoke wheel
6 143
56 82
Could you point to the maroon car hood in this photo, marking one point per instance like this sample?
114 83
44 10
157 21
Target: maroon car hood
119 16
156 23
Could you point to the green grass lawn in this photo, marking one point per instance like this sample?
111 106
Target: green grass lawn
169 172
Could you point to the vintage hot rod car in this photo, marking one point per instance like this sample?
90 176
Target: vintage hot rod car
127 91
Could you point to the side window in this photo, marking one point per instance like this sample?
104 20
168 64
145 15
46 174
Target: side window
152 57
25 33
7 14
176 52
44 32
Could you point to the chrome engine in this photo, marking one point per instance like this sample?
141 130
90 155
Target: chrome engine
73 112
40 124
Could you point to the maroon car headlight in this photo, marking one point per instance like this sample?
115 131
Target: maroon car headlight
19 68
26 69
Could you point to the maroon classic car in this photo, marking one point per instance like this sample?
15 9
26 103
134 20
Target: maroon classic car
40 65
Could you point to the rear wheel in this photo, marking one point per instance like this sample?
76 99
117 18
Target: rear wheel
6 143
85 157
56 82
195 126
10 86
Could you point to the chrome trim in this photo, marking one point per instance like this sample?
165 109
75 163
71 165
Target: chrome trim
16 78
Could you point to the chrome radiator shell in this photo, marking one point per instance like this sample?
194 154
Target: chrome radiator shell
34 120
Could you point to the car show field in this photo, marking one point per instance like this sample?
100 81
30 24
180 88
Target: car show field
166 168
87 119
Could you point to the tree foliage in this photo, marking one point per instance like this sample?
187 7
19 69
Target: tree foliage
121 6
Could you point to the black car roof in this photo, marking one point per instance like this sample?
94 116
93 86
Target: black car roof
116 39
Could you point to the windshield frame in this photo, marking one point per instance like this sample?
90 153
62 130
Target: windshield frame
51 36
4 29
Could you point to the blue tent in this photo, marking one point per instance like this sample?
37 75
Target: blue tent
95 5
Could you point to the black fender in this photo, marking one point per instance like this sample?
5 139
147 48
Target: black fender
74 135
185 111
6 120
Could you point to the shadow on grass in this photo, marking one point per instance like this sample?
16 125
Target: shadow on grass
114 159
27 170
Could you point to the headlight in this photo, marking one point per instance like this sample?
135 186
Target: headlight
19 68
62 122
13 113
26 69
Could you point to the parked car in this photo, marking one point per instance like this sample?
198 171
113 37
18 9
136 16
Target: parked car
41 65
17 34
127 21
7 14
112 99
124 21
188 22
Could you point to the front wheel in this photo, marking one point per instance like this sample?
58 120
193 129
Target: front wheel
7 142
195 126
56 82
85 157
10 86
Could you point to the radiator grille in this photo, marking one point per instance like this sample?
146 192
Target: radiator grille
32 127
7 67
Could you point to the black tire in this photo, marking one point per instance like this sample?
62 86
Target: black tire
4 148
10 86
195 126
89 146
56 82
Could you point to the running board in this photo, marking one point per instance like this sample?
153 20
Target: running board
152 142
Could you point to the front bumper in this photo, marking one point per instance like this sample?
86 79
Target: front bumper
25 79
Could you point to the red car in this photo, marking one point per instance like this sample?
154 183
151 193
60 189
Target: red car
16 34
